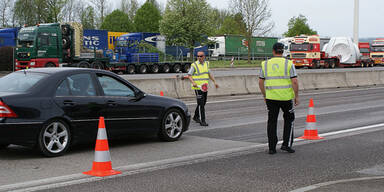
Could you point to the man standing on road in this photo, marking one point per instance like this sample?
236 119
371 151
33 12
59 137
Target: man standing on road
279 85
199 75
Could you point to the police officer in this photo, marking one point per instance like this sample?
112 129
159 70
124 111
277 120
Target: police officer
199 74
279 85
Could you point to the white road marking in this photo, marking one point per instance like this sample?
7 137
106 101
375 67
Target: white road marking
44 184
305 94
315 186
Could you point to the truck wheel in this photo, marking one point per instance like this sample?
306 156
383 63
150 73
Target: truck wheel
65 30
155 68
50 65
97 65
131 69
66 43
332 65
166 68
83 64
176 68
186 68
143 69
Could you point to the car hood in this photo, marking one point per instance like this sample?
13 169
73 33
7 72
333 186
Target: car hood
165 99
3 94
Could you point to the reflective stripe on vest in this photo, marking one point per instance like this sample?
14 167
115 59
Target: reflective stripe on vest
200 76
278 85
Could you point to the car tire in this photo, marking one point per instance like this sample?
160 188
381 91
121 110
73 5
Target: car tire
172 125
50 65
54 138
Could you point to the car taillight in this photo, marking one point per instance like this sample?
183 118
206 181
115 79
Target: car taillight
5 111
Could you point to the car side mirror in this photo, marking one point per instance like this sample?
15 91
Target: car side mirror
139 94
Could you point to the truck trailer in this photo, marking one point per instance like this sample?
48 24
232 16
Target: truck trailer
237 46
54 45
129 57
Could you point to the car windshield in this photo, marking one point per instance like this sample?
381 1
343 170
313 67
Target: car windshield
300 47
378 49
19 81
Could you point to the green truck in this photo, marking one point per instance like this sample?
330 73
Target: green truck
54 45
237 46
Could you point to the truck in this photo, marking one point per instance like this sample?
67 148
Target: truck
237 46
8 37
130 57
365 50
287 43
377 51
306 51
54 45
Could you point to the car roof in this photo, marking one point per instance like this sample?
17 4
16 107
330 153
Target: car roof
53 70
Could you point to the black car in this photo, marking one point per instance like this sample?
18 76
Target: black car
53 108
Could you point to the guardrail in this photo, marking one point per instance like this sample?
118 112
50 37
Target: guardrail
248 84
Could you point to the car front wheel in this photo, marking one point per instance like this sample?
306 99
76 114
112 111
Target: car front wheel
172 125
54 138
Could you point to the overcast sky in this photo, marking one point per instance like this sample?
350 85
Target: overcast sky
327 17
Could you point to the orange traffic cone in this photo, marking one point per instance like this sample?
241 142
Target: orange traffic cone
310 132
102 165
161 93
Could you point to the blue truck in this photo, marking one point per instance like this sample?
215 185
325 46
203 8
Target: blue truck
8 37
130 58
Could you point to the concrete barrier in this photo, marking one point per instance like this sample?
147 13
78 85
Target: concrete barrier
248 84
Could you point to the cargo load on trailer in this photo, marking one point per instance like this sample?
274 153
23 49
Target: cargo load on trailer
377 51
54 45
306 51
237 46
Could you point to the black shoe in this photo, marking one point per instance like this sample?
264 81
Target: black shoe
203 123
196 119
287 149
272 151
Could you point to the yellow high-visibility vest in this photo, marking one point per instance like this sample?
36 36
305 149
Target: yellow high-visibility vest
200 76
278 84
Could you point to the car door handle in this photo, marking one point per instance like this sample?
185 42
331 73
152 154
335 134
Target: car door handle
69 103
112 103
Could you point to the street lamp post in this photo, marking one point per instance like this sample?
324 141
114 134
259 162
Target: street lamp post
356 23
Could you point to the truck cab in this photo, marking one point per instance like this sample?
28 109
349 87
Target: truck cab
39 46
377 51
305 51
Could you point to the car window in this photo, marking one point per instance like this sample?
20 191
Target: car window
20 81
63 89
113 87
81 85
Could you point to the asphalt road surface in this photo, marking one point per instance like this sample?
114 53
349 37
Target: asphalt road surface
230 154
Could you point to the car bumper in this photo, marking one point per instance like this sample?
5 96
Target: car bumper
188 121
19 133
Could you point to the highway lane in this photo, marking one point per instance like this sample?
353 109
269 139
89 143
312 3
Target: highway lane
358 156
236 123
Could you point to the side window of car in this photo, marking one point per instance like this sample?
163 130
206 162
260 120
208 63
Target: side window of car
63 89
81 85
113 87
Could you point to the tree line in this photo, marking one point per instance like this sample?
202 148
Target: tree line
183 22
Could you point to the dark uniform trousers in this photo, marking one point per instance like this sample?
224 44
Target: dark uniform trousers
289 117
201 98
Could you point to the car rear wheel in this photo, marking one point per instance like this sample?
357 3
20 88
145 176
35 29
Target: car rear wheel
172 125
54 138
